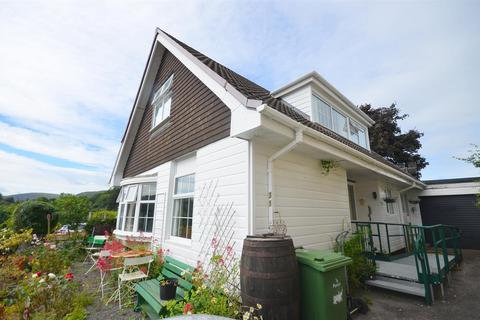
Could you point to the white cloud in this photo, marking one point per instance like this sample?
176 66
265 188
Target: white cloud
70 71
21 174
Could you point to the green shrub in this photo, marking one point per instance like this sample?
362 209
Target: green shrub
361 268
33 215
102 220
73 210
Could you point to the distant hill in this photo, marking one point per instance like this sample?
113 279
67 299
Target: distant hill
89 194
33 196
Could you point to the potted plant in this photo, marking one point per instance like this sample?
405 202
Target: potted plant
168 288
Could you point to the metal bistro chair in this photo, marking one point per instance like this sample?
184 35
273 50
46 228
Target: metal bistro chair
104 270
131 274
93 251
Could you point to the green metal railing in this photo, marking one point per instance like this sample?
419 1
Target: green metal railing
390 241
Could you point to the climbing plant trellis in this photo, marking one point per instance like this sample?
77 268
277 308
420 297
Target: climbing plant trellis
217 238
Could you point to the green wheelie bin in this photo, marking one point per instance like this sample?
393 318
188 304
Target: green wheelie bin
322 284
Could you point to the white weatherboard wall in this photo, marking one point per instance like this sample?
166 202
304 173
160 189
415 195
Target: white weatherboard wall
226 163
364 200
301 99
314 206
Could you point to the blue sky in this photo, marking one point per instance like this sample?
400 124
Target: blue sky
69 72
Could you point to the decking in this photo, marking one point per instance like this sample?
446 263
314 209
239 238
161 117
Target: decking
405 268
421 266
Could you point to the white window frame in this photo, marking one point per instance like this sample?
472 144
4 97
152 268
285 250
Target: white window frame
160 98
177 196
125 200
332 122
139 204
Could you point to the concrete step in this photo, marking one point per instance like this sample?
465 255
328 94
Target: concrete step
408 287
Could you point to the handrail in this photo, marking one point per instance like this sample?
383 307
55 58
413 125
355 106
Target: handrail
415 243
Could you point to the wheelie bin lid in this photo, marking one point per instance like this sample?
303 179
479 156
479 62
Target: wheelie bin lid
322 261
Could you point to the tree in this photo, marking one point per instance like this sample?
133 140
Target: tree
387 139
33 214
474 158
106 200
72 209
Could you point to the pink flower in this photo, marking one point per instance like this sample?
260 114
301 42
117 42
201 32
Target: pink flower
69 276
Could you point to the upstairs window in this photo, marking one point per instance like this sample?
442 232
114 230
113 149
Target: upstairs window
162 101
336 121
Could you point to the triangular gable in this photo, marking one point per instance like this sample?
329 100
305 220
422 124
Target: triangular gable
233 98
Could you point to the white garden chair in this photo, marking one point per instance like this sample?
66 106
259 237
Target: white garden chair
131 274
104 254
93 251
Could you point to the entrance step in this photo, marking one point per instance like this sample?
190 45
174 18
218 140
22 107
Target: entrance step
403 286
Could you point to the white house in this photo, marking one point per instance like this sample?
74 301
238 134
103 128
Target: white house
207 149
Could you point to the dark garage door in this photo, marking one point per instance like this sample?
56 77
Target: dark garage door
458 210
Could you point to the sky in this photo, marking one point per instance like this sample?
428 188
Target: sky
69 72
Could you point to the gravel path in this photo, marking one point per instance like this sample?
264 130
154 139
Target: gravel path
98 310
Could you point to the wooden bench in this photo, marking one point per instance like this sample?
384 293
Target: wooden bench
148 292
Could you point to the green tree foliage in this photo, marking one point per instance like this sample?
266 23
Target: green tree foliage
4 215
72 209
387 139
102 220
33 214
473 158
106 200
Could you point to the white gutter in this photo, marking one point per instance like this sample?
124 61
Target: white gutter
286 120
298 139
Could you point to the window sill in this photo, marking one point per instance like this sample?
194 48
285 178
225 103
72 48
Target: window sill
144 236
161 126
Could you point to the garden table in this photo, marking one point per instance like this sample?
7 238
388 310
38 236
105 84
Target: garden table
131 254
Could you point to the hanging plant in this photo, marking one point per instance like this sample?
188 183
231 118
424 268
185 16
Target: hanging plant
414 201
389 200
327 166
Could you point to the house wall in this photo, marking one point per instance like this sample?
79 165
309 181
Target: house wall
225 165
314 206
197 118
300 99
366 203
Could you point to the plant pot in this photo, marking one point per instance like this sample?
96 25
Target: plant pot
168 289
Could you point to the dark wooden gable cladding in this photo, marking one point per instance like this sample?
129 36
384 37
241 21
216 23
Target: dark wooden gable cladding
197 118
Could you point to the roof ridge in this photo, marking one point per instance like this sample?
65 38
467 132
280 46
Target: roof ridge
252 90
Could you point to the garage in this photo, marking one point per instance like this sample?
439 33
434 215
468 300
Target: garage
453 202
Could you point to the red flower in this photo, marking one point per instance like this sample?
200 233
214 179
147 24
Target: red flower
69 276
188 308
38 273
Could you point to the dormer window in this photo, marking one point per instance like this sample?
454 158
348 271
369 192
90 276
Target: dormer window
336 121
162 101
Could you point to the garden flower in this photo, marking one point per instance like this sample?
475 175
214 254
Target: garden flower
34 275
41 281
52 276
69 276
214 300
187 309
246 315
38 273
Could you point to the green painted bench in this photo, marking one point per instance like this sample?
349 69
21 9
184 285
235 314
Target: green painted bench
148 292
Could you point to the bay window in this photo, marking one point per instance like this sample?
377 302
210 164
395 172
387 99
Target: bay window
136 207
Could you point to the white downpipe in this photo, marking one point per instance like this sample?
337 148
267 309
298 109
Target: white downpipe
285 149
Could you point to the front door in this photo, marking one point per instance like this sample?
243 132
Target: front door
351 200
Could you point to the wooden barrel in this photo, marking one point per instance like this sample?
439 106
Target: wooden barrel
269 277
